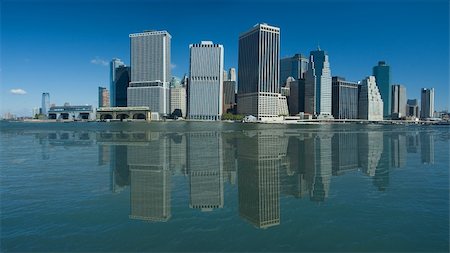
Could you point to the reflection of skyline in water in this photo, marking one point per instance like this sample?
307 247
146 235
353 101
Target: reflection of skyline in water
264 165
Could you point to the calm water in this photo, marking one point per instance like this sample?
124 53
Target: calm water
223 187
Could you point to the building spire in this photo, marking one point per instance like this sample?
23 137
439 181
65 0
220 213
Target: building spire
318 46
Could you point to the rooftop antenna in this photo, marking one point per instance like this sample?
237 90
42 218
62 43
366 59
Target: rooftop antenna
318 46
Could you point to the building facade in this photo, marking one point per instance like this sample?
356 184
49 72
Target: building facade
259 71
232 74
113 65
382 73
412 108
229 96
150 70
45 104
370 101
71 112
103 97
206 81
178 100
318 85
344 98
427 103
295 66
121 83
398 101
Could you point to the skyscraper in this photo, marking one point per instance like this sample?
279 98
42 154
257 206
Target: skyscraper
344 98
103 97
178 99
229 96
259 71
206 81
295 66
232 74
370 102
398 101
45 106
382 74
318 85
121 82
427 103
113 65
150 70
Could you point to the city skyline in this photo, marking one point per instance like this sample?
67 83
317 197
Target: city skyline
33 49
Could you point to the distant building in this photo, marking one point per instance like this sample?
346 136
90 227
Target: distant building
398 101
103 97
113 65
121 82
318 85
71 112
232 74
258 72
178 99
382 74
427 103
225 75
370 102
45 104
150 71
295 66
205 81
229 96
344 98
36 111
412 108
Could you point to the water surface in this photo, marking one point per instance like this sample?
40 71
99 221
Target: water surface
181 186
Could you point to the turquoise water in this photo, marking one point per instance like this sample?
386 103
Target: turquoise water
194 186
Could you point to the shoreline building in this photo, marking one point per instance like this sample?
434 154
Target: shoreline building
318 85
259 71
412 108
150 71
398 101
344 98
113 66
45 104
382 74
103 97
206 81
370 101
427 103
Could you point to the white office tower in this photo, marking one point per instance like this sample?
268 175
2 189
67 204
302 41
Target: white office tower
150 71
258 72
370 102
205 81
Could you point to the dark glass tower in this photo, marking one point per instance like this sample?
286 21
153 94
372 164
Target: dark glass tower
382 74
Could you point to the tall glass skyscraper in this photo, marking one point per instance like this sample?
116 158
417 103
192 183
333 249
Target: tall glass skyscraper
382 74
258 71
345 98
150 71
121 82
113 65
45 103
318 85
398 101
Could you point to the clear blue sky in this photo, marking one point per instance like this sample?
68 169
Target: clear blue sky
60 46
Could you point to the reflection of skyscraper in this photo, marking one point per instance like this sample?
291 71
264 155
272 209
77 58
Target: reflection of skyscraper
204 159
370 146
427 147
259 161
120 175
345 152
150 179
381 177
412 142
103 154
398 150
322 173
